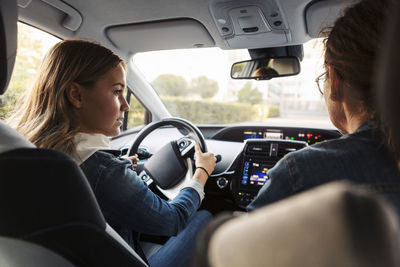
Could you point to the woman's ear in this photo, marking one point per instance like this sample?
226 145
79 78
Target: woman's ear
74 94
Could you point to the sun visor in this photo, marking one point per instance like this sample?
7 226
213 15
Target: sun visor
160 35
323 14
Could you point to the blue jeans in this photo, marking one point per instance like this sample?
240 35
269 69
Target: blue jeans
179 250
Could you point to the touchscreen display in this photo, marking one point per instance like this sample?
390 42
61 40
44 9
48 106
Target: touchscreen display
252 135
254 173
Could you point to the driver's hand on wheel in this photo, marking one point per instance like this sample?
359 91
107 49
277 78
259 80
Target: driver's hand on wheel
134 160
205 164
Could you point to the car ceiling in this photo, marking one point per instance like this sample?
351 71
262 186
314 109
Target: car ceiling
130 26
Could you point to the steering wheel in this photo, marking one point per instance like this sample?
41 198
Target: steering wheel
171 166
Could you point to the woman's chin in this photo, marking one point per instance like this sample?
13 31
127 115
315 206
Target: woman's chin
117 132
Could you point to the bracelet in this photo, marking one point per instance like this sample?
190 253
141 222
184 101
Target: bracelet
203 170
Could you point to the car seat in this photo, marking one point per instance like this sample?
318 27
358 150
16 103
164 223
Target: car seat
332 225
16 253
45 198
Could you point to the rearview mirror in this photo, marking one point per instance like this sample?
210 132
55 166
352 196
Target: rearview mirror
266 68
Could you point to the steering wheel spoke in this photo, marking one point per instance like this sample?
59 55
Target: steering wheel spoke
186 146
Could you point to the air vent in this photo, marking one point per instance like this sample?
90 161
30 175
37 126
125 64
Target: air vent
272 148
287 147
258 148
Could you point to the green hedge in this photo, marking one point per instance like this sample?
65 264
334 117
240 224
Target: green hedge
210 112
207 111
274 112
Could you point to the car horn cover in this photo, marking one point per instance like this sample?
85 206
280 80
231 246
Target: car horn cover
166 167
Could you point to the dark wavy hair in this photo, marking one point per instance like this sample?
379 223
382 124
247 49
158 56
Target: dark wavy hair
351 47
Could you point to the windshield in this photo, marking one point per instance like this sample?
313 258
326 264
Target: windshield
195 84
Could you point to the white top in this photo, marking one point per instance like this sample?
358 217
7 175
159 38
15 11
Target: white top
87 144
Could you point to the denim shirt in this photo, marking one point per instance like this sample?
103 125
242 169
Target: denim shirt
360 158
128 205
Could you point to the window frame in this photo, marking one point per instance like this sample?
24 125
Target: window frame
147 114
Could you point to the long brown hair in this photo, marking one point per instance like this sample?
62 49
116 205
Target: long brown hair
46 116
351 47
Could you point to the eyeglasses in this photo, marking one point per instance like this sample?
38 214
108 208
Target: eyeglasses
320 82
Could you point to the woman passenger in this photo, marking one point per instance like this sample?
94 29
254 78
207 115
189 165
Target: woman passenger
359 155
75 105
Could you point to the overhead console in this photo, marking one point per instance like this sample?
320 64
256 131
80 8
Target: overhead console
241 23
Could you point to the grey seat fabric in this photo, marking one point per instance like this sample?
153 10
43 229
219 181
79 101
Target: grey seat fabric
17 253
11 139
332 225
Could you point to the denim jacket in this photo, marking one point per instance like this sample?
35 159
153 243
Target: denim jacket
360 157
128 205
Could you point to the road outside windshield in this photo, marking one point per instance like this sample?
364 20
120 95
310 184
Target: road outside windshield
195 84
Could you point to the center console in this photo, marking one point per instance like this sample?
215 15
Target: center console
257 158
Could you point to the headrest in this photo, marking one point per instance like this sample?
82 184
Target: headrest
10 139
332 225
388 75
17 252
8 41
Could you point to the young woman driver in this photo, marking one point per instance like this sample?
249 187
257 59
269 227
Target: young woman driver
75 105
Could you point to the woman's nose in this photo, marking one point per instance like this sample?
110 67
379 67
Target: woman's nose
124 104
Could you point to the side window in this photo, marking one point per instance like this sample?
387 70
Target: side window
32 45
137 113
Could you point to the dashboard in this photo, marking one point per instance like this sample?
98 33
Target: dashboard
263 148
308 135
247 152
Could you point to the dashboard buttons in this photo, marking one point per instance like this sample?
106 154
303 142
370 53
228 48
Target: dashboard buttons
145 178
185 146
245 198
182 144
222 182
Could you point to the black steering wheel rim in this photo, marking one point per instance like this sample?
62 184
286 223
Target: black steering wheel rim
173 121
